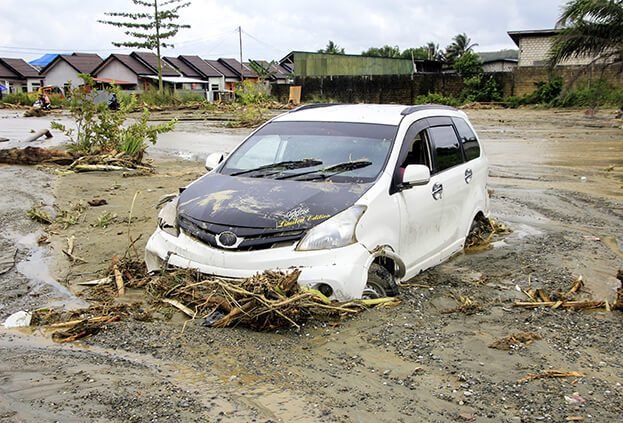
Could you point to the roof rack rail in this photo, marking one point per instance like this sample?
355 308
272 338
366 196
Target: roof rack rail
311 106
420 107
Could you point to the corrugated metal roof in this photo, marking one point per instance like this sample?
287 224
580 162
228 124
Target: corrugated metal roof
182 67
20 67
130 62
204 68
151 60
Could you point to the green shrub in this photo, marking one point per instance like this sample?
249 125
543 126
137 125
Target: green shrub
23 99
598 93
249 92
436 98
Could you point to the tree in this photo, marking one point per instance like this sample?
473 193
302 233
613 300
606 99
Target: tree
420 53
332 48
589 27
460 45
433 52
385 51
468 65
150 29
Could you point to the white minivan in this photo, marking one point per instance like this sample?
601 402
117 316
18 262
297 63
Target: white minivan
358 197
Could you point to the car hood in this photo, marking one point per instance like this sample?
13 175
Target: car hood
238 201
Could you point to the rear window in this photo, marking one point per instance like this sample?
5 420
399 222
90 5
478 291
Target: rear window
447 148
468 138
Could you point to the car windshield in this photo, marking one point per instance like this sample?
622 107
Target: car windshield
314 151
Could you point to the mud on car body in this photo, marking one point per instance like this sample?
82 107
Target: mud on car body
358 197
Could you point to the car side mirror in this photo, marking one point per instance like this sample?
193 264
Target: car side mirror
214 159
415 175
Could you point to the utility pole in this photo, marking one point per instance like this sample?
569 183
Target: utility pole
241 66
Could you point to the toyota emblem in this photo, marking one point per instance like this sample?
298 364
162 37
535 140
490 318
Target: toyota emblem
227 239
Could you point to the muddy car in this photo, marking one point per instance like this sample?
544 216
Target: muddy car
358 197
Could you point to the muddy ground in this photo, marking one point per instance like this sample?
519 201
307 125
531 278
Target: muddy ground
556 179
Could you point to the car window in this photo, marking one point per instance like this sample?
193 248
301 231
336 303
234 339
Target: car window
418 151
260 153
331 143
471 148
446 146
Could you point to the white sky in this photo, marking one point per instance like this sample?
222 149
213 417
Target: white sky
273 28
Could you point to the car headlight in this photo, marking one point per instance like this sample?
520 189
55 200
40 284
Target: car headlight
167 218
336 232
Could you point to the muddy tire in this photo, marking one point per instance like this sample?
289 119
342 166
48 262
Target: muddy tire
475 232
381 283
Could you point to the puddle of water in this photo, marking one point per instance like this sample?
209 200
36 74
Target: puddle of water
35 269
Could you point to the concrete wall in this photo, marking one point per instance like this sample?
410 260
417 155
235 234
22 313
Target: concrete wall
525 78
498 67
398 89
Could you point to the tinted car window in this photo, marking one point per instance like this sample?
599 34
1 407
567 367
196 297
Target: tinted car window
447 148
468 138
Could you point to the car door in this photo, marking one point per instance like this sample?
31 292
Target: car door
451 173
419 207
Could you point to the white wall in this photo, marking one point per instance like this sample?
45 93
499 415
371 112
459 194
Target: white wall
61 73
116 70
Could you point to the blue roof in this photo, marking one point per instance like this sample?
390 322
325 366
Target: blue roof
44 60
2 87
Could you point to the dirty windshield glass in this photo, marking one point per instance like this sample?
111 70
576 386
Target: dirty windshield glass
338 151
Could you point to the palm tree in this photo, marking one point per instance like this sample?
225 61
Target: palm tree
589 27
332 48
460 45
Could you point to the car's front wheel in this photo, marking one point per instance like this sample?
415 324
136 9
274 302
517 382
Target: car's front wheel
381 283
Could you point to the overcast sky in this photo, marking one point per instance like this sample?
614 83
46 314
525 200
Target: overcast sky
273 28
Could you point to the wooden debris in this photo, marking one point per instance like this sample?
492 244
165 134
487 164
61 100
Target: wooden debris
265 301
577 285
549 374
38 134
35 155
96 202
180 307
515 341
119 281
69 252
83 328
466 306
574 305
539 298
95 282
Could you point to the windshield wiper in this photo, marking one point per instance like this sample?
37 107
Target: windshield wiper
330 171
274 168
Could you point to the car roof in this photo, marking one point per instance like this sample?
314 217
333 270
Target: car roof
386 114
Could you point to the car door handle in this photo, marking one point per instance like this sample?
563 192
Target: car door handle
468 176
437 191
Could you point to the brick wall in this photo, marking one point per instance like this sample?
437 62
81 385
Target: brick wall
534 50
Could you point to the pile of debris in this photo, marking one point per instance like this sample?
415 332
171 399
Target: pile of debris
566 300
483 234
266 301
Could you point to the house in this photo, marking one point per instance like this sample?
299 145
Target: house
534 47
499 61
241 70
271 71
139 71
206 71
64 70
310 64
18 76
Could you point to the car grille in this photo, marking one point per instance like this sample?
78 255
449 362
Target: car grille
253 238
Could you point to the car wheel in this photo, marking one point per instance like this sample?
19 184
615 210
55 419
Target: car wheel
475 231
381 283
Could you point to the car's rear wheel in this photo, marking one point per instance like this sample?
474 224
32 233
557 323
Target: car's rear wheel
381 283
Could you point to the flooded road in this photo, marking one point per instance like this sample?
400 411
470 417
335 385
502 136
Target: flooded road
556 179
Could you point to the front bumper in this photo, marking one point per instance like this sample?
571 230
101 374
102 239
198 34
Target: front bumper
344 269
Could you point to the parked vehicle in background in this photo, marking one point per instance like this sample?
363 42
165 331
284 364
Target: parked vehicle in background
358 197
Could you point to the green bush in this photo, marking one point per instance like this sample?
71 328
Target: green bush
598 93
546 91
100 130
249 92
436 98
23 99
